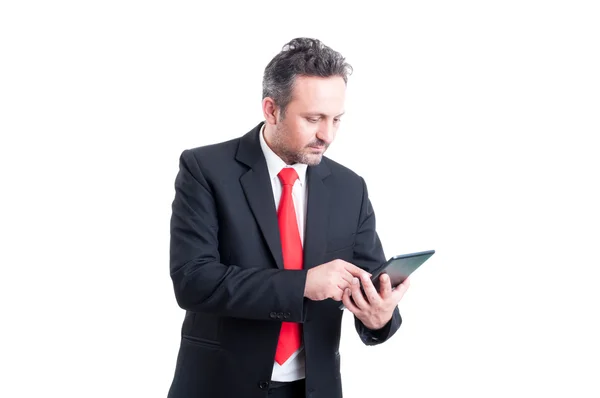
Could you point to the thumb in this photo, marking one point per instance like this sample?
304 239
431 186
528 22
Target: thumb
399 291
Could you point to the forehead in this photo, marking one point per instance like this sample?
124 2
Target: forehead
324 95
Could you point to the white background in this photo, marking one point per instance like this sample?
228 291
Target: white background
473 123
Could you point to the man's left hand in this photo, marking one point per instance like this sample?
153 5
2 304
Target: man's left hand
374 309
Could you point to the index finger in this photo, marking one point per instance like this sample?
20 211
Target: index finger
354 270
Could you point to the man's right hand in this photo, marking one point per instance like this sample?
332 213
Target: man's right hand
329 280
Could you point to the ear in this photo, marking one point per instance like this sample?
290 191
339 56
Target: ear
270 110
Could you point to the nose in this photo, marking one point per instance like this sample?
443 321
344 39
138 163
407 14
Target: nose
326 132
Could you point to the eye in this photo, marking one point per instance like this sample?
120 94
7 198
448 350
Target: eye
312 119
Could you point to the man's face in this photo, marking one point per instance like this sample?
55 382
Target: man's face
311 120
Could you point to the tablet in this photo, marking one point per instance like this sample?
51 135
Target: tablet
399 268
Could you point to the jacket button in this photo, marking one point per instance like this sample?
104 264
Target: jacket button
263 384
286 315
273 315
280 315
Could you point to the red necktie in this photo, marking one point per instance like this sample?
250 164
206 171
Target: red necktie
290 335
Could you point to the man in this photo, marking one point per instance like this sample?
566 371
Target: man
269 238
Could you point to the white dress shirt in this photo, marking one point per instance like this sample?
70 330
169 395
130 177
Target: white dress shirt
293 368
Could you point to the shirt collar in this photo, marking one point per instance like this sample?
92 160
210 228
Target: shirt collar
274 162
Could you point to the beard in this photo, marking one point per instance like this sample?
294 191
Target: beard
291 156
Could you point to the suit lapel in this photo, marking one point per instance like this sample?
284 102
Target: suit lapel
259 194
317 218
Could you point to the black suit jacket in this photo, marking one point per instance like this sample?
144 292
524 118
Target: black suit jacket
227 270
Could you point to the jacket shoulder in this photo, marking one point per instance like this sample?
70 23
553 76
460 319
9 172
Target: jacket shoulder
342 172
209 163
213 152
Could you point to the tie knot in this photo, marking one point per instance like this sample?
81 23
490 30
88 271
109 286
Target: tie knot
288 176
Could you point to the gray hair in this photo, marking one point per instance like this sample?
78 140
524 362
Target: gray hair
300 57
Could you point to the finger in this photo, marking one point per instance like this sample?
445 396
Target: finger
385 286
357 295
347 276
353 269
348 303
339 294
344 281
399 291
344 273
370 290
406 282
343 285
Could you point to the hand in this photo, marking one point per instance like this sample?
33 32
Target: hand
374 309
329 280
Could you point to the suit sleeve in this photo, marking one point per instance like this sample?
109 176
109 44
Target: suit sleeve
201 282
369 255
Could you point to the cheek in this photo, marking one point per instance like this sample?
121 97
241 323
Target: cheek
305 134
307 138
